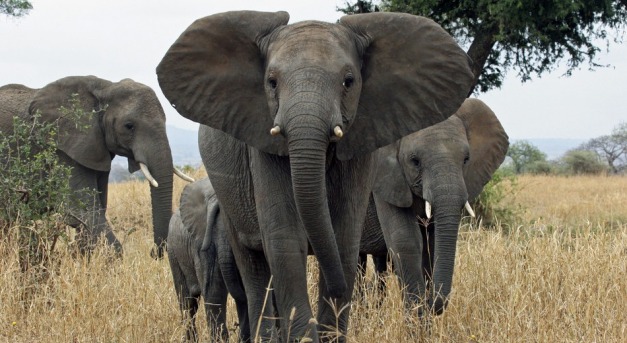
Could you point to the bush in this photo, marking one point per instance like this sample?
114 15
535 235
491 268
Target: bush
34 188
578 162
490 207
540 168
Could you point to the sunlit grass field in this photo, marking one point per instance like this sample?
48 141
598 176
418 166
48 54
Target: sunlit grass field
556 274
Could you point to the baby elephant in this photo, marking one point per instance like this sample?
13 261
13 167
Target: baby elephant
202 263
423 182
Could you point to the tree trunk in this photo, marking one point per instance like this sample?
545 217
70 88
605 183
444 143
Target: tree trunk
479 52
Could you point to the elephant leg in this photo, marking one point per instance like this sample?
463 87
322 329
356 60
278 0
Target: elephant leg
227 163
103 191
255 275
401 232
233 282
215 294
215 308
348 185
188 303
380 267
285 245
88 209
362 266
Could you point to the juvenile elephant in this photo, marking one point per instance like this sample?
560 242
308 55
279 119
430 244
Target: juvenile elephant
291 114
123 118
429 177
202 262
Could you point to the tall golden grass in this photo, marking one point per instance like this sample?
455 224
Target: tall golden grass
559 274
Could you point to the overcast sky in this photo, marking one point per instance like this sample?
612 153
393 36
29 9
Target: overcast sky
116 39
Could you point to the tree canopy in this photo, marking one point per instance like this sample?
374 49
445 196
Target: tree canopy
524 155
15 8
612 147
527 36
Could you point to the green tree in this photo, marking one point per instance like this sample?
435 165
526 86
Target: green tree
527 36
15 8
524 155
579 162
613 148
358 7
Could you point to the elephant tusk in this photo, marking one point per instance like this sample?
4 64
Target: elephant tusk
148 176
469 209
183 176
338 132
275 130
428 209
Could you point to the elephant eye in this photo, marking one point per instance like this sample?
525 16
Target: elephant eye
415 161
466 159
272 82
348 81
129 126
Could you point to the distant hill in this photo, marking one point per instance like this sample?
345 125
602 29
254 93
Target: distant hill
554 148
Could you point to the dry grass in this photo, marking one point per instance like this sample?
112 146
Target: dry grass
557 276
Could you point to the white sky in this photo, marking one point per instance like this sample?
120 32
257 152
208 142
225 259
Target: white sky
116 39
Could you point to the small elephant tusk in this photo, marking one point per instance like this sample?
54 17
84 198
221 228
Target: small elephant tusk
275 130
338 132
183 176
147 174
469 209
428 209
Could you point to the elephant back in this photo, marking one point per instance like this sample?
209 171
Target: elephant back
14 101
193 206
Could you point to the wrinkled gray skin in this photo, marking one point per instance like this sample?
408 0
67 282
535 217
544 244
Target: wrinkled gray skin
447 165
129 122
306 186
202 263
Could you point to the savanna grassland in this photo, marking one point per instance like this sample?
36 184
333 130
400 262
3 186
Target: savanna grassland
556 272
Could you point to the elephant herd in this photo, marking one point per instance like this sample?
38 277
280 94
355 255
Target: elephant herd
326 139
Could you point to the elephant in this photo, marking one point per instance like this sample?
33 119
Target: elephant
290 117
424 181
203 264
123 118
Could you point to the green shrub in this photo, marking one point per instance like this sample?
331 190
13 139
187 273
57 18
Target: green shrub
34 187
490 206
541 168
579 162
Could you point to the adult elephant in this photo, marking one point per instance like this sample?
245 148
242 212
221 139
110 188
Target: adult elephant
424 181
292 114
122 118
202 263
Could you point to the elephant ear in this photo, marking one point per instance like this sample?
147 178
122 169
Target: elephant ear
193 207
390 183
214 74
488 144
82 139
414 75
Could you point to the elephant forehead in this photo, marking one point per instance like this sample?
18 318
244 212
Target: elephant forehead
312 40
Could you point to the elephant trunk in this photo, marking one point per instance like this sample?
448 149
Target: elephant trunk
448 202
308 142
161 168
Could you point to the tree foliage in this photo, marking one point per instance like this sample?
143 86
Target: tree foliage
358 7
579 162
35 191
524 156
612 147
527 36
15 8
